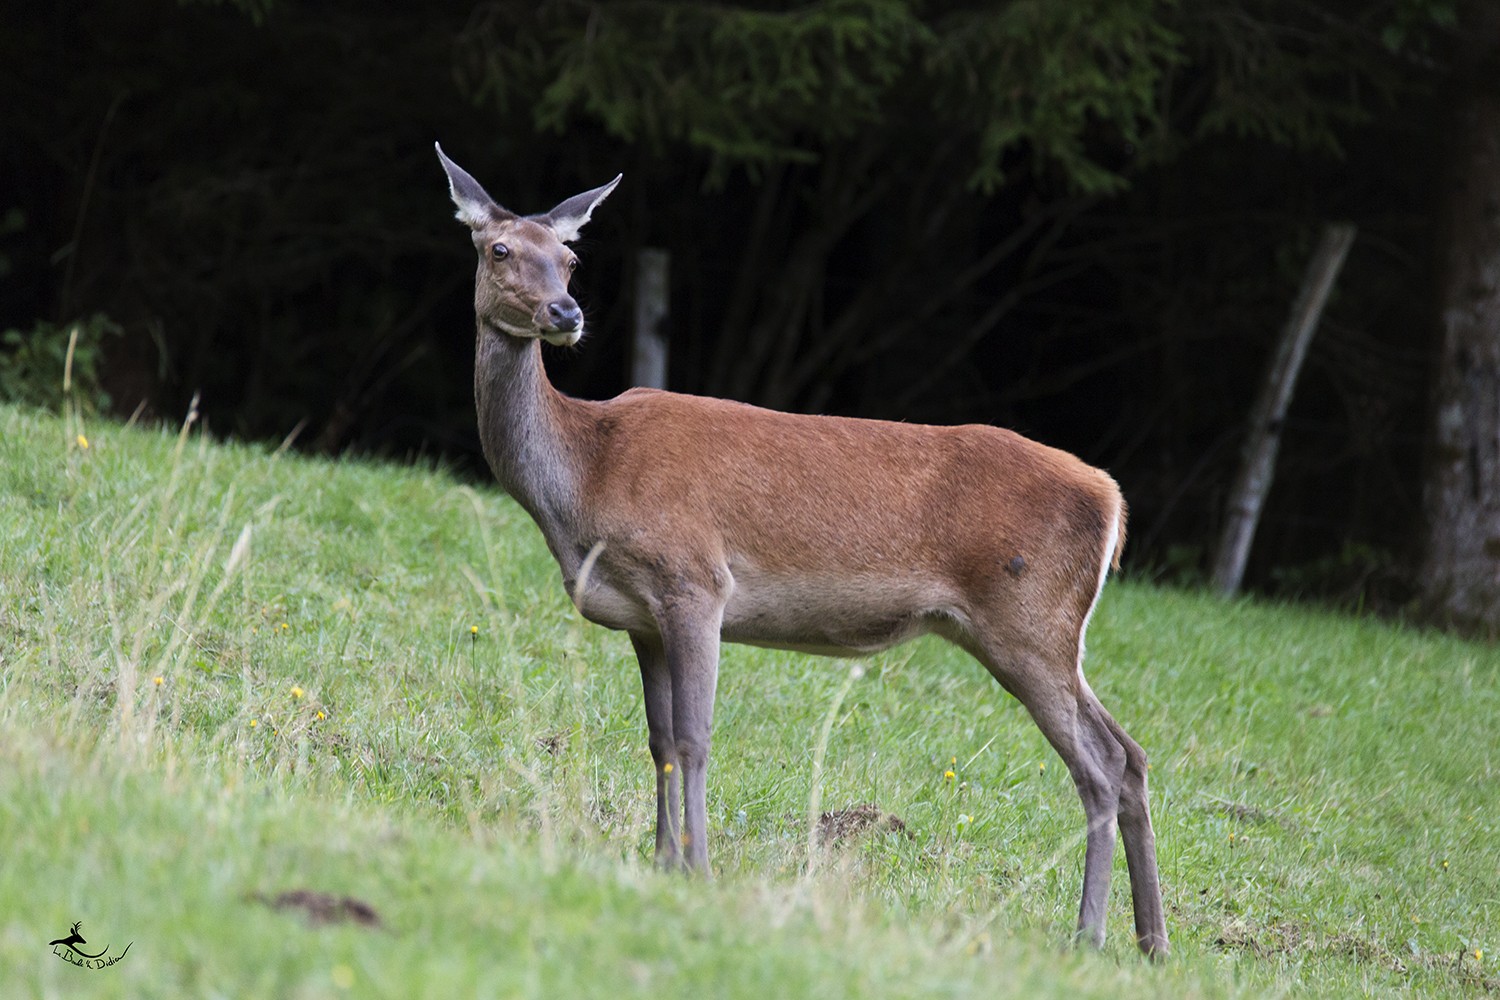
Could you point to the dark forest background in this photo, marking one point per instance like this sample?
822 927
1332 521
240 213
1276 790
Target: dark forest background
1083 219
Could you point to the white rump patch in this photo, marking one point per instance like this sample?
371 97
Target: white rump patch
1105 559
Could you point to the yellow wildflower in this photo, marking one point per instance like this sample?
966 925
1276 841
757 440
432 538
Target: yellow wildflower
253 723
666 769
342 976
947 775
83 442
158 681
473 629
297 692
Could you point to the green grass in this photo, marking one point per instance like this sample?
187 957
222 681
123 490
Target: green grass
326 719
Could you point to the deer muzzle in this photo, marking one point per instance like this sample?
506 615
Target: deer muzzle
562 322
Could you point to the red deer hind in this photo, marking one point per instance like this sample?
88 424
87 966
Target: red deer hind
709 520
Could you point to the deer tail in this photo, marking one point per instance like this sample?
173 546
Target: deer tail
1120 518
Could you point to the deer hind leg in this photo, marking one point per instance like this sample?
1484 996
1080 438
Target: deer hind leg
1109 771
1140 845
656 681
1067 714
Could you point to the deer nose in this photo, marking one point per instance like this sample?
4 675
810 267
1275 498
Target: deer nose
564 315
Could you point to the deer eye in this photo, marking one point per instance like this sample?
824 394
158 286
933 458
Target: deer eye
572 264
499 251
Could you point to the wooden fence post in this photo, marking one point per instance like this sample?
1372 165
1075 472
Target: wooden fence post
648 353
1258 459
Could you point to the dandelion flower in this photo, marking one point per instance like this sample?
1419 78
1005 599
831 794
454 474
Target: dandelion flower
947 775
1478 955
285 627
666 769
1042 768
254 723
158 680
297 692
473 629
83 442
321 715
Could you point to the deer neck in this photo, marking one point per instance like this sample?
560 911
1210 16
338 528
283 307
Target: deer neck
528 431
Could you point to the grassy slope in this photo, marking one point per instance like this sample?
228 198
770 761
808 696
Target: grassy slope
1324 788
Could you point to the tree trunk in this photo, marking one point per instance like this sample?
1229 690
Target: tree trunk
1460 575
1258 461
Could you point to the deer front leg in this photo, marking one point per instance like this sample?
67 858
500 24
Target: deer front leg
656 681
691 641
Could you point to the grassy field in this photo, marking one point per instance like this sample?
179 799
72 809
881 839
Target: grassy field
228 674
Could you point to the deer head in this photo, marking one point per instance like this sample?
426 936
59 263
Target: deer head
524 261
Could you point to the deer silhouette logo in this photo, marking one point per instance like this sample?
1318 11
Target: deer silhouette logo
98 960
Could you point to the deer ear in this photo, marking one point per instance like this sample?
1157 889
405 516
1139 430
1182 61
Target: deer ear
567 219
475 208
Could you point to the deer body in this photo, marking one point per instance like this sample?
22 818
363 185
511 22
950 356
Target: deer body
686 521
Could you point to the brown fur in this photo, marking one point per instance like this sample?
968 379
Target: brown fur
889 506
